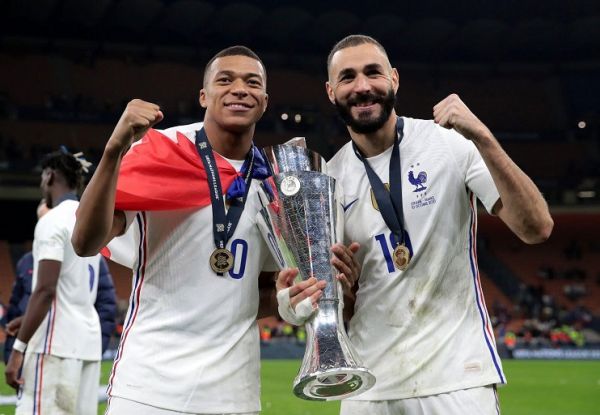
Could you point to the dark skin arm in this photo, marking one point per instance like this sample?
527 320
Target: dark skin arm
268 299
39 303
97 221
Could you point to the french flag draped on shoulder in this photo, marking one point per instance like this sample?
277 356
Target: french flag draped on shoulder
159 173
162 171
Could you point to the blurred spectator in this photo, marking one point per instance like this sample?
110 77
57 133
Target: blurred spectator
19 296
574 291
546 272
265 334
545 323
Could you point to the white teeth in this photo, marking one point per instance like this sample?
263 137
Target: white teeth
237 106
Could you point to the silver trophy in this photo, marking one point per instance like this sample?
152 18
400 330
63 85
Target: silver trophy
301 219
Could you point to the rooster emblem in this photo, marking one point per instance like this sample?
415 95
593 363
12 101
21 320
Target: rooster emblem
418 181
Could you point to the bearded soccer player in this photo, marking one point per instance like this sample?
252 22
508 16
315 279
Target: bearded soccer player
411 188
60 329
190 343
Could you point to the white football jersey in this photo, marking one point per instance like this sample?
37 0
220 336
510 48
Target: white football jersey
190 342
71 329
425 330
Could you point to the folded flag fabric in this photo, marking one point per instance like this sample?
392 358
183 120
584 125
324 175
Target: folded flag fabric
160 174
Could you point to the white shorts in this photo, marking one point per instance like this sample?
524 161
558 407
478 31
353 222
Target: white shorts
122 406
475 401
56 385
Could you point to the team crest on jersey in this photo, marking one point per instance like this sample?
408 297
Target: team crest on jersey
419 181
417 177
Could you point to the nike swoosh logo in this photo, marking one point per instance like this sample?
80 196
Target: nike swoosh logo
346 207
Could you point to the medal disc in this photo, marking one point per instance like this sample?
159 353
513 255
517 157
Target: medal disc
401 257
221 260
290 185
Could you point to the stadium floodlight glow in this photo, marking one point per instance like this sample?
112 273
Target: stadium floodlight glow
586 194
284 116
581 124
297 118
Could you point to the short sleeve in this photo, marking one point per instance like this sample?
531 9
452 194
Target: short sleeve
50 239
476 175
122 249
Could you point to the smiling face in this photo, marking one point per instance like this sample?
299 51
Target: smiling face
234 93
362 85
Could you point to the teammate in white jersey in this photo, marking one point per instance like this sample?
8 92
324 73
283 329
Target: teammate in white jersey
419 319
190 342
60 328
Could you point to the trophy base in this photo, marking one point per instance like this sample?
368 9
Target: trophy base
334 384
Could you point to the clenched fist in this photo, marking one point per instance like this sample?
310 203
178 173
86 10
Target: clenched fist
451 112
138 117
13 326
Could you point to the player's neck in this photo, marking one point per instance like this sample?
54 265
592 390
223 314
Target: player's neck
230 144
60 193
377 142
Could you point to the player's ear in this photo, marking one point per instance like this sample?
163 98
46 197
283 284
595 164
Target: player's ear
330 93
202 98
50 177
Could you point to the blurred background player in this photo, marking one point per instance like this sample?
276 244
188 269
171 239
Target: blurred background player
59 340
105 304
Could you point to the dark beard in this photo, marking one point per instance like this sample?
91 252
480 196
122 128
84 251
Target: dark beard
367 126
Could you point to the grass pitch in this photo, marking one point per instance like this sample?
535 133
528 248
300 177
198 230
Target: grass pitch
534 388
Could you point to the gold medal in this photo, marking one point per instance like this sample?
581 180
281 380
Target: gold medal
221 260
401 257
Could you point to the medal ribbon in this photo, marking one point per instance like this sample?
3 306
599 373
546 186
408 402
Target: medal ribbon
389 202
223 224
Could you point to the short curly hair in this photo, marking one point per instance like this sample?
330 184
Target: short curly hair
67 165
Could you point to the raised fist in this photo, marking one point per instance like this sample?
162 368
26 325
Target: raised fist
451 112
137 118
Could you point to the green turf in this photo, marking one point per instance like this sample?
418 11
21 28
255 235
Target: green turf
534 388
277 397
551 388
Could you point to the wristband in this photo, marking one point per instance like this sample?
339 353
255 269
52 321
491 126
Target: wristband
19 346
